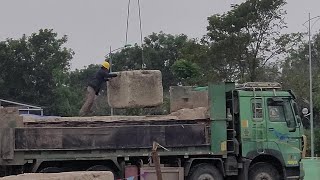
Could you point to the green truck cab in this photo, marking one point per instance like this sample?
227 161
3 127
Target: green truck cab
271 129
253 132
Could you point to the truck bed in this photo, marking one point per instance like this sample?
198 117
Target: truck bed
98 121
110 132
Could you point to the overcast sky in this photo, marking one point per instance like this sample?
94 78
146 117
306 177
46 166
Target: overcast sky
94 25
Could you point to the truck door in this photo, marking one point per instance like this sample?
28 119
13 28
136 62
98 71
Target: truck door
258 124
282 133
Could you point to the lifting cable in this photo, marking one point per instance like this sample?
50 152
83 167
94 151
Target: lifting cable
128 15
143 65
141 38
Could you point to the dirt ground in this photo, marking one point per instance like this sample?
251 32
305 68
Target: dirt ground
83 175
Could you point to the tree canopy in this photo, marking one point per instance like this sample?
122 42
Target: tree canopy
245 39
34 69
160 51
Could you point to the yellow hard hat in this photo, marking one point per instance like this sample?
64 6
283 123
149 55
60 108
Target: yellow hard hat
106 65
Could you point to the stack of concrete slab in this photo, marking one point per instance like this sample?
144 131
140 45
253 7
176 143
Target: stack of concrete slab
188 97
132 89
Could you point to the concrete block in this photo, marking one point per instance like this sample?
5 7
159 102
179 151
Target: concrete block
10 118
191 114
139 88
9 110
182 97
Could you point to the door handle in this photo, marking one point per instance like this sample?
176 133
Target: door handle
271 129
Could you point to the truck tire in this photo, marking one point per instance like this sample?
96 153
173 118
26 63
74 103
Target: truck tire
263 171
51 170
204 172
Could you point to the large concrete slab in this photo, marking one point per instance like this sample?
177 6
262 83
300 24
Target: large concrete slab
132 89
9 117
102 121
187 97
85 175
195 113
47 119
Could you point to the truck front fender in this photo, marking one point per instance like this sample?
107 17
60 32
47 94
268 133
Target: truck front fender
268 152
193 161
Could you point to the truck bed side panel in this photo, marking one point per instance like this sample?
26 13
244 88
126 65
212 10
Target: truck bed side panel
116 137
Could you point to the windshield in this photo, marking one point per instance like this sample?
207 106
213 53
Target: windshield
281 111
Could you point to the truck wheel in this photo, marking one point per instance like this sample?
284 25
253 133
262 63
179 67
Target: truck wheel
51 170
204 172
263 171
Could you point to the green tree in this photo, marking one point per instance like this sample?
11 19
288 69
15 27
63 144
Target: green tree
160 51
245 39
34 70
127 59
187 72
316 142
295 74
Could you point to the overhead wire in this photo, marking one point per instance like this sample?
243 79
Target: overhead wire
128 16
141 38
143 66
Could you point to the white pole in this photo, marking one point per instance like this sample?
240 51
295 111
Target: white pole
311 103
110 61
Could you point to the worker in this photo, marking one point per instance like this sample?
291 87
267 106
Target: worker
94 86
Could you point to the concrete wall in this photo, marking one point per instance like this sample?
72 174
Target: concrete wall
182 97
139 88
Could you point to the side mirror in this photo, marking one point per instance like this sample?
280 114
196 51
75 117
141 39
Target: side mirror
305 111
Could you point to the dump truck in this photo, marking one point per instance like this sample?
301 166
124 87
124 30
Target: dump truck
253 131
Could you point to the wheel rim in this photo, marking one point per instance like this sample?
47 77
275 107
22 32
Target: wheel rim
206 177
263 176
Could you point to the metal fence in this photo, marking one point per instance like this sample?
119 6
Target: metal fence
29 109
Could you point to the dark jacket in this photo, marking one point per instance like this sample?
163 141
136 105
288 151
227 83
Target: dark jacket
99 78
